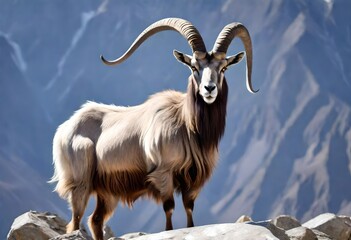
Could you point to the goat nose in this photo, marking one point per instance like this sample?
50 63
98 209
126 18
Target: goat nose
210 88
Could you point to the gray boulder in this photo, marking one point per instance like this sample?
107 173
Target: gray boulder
278 232
43 226
337 227
36 226
301 233
229 231
286 222
75 235
320 235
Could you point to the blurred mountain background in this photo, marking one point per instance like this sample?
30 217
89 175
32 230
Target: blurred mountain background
286 149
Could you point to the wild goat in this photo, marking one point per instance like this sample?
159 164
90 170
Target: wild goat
168 143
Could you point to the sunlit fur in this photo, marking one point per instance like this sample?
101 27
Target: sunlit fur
169 143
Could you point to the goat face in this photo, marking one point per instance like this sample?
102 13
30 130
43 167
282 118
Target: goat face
208 71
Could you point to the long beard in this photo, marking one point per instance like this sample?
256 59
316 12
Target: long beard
210 118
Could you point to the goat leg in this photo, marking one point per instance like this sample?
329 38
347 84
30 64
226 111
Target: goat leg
168 207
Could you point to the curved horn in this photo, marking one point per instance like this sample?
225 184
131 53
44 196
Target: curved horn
224 39
185 28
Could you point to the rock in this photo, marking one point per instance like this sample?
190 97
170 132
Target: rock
286 222
228 231
244 218
320 235
40 226
337 227
108 233
301 233
130 236
75 235
36 226
278 232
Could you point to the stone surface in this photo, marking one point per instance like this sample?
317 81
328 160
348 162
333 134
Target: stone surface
108 233
36 226
286 222
130 236
337 227
278 232
40 226
75 235
301 233
320 235
229 231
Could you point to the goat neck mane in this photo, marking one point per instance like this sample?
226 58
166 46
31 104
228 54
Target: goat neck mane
208 121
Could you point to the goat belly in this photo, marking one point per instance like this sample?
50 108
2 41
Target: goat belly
127 186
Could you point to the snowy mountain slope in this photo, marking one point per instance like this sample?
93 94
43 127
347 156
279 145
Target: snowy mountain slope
297 157
286 149
23 175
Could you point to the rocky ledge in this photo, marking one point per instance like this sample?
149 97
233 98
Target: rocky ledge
327 226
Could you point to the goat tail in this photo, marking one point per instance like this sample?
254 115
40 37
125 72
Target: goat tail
74 161
62 168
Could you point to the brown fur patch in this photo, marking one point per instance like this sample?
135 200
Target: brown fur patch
210 118
208 124
126 186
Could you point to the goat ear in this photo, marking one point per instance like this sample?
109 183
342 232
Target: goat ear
235 58
183 58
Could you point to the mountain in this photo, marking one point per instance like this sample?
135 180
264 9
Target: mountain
286 149
24 172
297 156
